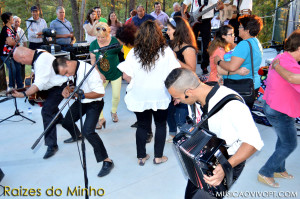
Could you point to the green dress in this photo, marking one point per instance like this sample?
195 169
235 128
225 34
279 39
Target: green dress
110 61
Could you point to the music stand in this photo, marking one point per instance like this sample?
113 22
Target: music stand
17 113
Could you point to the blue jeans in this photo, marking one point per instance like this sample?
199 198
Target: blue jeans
286 141
14 72
176 116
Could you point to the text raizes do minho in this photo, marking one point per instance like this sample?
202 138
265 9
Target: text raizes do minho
70 191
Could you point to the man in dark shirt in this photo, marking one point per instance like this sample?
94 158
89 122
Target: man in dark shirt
141 16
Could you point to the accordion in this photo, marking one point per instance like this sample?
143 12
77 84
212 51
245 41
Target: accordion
199 151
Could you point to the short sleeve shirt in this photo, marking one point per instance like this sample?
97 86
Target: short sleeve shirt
111 72
6 32
61 30
137 21
242 50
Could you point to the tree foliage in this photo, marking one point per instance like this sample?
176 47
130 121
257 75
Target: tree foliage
76 13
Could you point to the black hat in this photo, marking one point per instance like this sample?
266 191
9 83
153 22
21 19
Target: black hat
33 8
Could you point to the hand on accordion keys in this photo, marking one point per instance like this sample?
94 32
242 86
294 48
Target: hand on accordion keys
216 178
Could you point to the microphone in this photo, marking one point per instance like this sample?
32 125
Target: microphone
106 48
30 20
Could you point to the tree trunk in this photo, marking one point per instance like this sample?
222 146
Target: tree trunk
131 4
61 2
113 5
82 20
76 24
164 5
125 10
39 7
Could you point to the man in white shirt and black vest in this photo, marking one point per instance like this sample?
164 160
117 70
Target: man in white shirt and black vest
91 106
232 123
45 80
202 27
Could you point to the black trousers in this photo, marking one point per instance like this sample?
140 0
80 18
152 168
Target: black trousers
192 192
144 127
34 46
204 28
49 110
92 111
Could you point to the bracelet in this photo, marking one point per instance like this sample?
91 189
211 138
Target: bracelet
274 66
218 63
83 96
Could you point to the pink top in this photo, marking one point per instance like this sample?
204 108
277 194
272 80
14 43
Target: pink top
213 75
281 95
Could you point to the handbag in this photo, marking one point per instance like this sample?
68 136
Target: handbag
244 87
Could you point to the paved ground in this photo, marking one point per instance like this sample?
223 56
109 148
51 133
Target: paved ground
24 168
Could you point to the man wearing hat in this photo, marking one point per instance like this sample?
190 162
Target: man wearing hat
36 28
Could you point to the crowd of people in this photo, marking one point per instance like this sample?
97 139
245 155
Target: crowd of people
162 81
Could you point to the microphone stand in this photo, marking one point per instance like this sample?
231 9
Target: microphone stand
16 45
80 92
17 112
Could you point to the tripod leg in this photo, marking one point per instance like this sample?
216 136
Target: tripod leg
27 118
6 118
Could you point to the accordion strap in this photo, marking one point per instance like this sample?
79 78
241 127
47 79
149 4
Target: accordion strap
218 107
227 168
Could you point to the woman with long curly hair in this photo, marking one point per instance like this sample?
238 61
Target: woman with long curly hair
113 23
107 67
89 25
147 65
223 43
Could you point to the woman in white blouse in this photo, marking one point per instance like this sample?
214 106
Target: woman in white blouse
89 24
146 67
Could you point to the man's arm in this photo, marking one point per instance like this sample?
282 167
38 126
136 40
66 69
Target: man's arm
183 10
32 90
242 154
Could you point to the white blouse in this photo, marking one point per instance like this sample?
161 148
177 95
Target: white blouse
147 90
88 37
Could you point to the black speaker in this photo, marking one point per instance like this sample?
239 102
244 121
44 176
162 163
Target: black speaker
1 175
48 47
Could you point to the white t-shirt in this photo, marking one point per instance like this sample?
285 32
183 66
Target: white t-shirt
45 76
147 90
93 83
195 6
233 122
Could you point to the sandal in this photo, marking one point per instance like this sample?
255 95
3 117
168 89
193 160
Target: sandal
284 175
101 122
162 160
114 117
142 161
268 181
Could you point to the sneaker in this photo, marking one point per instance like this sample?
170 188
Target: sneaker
9 89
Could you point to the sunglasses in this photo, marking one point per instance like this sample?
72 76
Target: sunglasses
172 21
232 34
99 28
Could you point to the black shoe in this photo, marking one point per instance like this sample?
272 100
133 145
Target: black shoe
106 168
71 140
50 151
205 71
135 125
149 137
